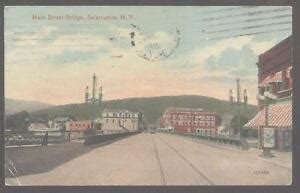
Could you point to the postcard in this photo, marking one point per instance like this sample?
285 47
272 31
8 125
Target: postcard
148 95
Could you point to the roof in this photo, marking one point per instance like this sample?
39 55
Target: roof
118 111
183 109
277 77
280 116
61 119
277 47
37 126
115 110
82 121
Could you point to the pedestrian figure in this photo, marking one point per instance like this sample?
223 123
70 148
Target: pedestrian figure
69 136
45 139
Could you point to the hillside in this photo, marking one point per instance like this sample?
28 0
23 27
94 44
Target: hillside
151 107
14 106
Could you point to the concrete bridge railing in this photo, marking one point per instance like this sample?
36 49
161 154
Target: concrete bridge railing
97 139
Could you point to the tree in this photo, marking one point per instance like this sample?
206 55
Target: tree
218 120
235 124
18 122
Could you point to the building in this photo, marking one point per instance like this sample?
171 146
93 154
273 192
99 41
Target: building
189 120
121 120
275 79
33 127
59 122
40 129
224 128
78 126
275 70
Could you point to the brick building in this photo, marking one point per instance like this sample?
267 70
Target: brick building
189 120
78 126
275 77
274 70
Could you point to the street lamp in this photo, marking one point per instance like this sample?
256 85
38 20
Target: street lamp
268 133
93 100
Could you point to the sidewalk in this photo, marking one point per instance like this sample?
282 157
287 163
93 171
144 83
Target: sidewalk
282 159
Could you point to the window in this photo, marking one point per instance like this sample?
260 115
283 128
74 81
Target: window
106 120
268 88
113 121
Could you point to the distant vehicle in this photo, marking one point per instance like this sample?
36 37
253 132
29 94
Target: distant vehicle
152 132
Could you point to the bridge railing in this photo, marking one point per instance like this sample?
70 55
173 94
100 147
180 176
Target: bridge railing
101 138
210 137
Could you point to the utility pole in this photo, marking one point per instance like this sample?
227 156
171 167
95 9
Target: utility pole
238 107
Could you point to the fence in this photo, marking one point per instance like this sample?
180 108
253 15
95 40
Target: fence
209 137
100 138
37 138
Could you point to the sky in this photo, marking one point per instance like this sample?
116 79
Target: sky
52 52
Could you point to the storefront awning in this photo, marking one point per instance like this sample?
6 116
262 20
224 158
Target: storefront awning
277 77
280 116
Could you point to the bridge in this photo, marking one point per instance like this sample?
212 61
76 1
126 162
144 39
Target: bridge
149 159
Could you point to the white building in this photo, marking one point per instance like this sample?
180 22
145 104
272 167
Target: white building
59 122
121 120
40 129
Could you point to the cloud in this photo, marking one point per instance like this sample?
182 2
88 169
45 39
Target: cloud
200 55
262 46
31 73
232 60
233 57
82 42
160 37
68 56
29 38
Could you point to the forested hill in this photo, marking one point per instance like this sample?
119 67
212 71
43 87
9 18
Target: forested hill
151 107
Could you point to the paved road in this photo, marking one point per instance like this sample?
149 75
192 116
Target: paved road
164 159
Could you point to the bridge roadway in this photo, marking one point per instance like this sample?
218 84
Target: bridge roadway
164 159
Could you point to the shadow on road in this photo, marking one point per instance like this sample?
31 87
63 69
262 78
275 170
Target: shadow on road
21 161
